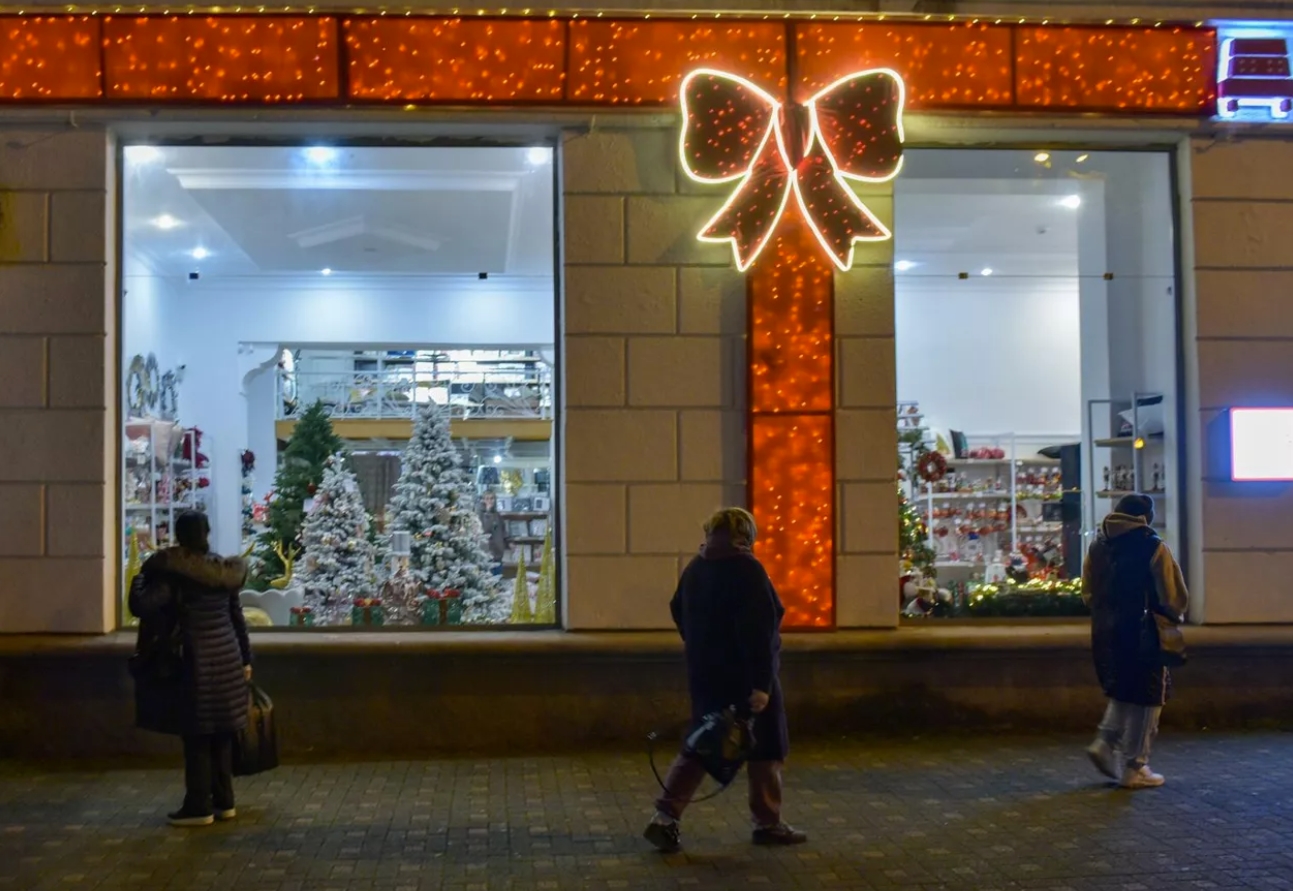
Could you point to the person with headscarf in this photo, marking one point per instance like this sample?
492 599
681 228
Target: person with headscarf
192 664
1129 579
729 617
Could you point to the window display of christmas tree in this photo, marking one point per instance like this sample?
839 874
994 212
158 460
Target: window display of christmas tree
434 501
339 561
299 475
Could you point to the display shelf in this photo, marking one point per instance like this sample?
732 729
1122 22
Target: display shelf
1126 442
524 514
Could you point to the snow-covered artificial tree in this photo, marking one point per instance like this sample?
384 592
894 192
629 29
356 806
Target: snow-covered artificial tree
339 558
434 501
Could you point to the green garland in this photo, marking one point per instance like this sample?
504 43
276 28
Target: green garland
1036 597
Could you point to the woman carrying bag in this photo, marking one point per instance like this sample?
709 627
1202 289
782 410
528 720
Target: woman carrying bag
1137 598
192 666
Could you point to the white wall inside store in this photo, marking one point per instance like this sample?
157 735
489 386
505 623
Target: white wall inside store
225 333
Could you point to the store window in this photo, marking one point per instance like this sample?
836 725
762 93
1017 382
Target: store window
344 356
1036 369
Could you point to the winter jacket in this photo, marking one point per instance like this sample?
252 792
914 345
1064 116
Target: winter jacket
495 529
1128 569
729 617
192 599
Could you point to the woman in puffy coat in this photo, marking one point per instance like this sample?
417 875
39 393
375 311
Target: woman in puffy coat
193 663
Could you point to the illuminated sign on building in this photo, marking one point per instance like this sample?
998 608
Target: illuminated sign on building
1254 78
1261 444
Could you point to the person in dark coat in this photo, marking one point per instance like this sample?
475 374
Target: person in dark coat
193 663
729 617
1129 571
495 530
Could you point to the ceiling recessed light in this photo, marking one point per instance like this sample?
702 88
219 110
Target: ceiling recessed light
320 154
1042 157
904 265
326 271
538 155
987 270
1081 158
498 459
165 221
1072 202
199 253
143 154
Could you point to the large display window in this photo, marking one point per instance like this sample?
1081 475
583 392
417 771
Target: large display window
344 355
1036 323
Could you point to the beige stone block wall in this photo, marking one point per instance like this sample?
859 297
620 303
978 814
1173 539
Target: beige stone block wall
866 439
57 447
1241 207
654 322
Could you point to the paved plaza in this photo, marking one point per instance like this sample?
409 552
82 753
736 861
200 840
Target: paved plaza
939 813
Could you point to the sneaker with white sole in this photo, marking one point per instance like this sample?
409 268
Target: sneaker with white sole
1144 778
226 815
1101 755
185 820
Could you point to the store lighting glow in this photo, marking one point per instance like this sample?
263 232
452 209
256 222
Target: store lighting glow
142 154
166 222
904 265
743 140
325 271
199 253
987 270
1255 71
538 155
1082 159
1042 157
320 155
1072 202
498 459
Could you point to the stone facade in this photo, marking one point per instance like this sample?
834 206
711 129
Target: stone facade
57 332
1241 211
655 367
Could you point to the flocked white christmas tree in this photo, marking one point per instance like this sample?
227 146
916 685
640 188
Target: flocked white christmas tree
434 501
339 561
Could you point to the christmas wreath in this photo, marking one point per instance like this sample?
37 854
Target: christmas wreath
931 466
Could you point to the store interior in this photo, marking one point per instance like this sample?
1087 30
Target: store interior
382 283
1036 368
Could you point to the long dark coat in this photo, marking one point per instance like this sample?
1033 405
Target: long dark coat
192 598
729 617
1129 569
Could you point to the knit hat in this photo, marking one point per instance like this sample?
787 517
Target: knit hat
1136 505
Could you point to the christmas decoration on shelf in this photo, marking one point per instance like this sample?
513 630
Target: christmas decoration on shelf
401 592
522 614
442 608
367 611
338 566
735 132
313 442
302 616
287 560
248 462
931 466
192 448
434 501
545 600
1036 597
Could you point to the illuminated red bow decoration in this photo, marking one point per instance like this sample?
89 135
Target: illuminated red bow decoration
734 131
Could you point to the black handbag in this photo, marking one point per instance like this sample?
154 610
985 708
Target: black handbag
722 743
255 748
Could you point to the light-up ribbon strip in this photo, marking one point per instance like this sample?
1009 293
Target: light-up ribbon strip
732 131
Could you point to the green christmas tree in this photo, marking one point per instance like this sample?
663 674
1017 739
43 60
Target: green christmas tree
299 475
913 537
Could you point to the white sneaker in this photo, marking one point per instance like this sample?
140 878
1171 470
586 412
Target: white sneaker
1141 779
1101 755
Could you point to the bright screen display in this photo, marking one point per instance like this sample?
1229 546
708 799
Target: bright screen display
1261 444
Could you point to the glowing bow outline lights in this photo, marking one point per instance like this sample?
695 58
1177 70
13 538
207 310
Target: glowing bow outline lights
814 144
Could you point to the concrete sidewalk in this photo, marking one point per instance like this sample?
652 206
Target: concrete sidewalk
975 814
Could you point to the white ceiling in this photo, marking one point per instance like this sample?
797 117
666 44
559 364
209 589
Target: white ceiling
356 211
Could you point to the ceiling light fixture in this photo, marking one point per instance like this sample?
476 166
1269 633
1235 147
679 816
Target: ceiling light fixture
143 154
498 459
1072 202
199 253
1042 157
1081 158
320 155
326 271
904 265
538 155
987 270
165 222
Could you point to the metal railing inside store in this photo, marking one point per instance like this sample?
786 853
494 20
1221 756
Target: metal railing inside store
470 390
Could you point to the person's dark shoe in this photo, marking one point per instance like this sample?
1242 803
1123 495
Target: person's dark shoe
185 820
225 815
781 834
665 837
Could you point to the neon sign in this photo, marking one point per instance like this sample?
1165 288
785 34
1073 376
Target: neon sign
735 132
1255 75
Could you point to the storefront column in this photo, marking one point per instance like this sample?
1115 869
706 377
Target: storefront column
1242 211
866 437
57 331
653 322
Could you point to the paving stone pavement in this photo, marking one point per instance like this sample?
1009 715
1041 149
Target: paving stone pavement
974 814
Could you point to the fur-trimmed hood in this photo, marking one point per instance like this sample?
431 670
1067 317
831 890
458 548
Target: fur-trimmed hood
208 570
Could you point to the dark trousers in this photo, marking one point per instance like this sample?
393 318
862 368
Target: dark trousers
208 773
686 774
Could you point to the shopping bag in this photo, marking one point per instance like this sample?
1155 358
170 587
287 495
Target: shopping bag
255 749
